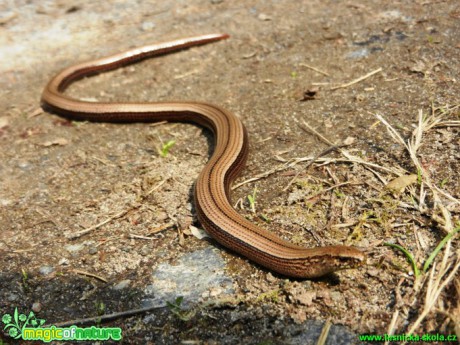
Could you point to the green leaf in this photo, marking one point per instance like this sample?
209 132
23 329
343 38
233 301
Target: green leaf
419 176
16 316
438 248
408 255
443 182
179 300
166 147
265 218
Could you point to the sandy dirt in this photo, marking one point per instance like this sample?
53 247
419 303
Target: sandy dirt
286 69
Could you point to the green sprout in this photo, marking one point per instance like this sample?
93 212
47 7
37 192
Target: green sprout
338 193
438 248
177 309
166 147
444 182
431 257
265 218
419 176
408 255
272 295
252 200
25 278
100 308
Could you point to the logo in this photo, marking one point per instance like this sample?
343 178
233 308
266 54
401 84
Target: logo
18 322
29 327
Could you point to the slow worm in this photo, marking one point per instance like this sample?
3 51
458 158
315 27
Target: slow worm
212 189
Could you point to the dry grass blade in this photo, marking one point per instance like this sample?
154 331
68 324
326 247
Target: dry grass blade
91 228
436 285
412 146
450 263
106 317
314 69
448 124
349 156
89 274
370 74
393 132
391 326
324 333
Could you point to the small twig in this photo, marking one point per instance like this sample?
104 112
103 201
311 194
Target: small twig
158 185
106 317
324 333
131 235
344 225
347 155
391 326
451 123
322 153
108 220
36 112
161 228
90 275
314 69
186 74
319 84
19 251
311 130
331 188
384 182
103 161
357 80
262 175
155 124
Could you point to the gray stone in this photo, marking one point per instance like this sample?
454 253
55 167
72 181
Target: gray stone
195 275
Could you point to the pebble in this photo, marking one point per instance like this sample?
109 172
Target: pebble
196 275
63 262
336 296
5 202
145 250
360 53
270 278
92 250
264 17
12 297
3 122
45 270
306 297
122 284
148 26
24 165
74 247
37 307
